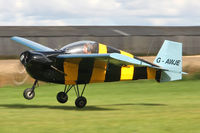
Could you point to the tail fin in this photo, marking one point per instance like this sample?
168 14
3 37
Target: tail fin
169 59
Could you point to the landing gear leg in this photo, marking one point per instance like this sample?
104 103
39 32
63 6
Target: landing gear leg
29 93
80 101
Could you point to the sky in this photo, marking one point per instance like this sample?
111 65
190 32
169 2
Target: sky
99 12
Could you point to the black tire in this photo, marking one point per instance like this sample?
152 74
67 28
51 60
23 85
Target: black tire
62 97
81 102
29 94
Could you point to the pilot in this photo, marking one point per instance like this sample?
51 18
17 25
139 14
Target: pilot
87 48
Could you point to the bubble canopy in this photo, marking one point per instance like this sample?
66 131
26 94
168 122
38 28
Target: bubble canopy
81 47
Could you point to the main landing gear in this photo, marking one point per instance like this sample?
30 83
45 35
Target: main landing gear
29 93
80 100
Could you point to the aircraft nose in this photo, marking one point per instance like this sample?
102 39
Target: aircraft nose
31 57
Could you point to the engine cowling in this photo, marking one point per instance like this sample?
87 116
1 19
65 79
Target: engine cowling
31 57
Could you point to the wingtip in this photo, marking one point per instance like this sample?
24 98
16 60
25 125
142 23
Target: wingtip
14 37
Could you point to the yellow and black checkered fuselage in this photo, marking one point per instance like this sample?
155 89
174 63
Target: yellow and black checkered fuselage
83 71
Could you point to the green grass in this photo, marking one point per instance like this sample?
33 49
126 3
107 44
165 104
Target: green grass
121 107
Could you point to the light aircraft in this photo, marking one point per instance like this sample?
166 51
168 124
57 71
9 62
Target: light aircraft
85 62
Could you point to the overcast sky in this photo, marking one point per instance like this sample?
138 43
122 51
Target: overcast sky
100 12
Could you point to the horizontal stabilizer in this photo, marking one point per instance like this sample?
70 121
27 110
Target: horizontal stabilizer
31 44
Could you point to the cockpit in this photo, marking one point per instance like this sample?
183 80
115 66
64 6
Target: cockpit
81 47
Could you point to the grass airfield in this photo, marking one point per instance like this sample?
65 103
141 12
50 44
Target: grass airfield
120 107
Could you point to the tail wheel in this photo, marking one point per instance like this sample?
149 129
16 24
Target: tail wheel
62 97
81 102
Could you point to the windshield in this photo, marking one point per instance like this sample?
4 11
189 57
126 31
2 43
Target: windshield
81 47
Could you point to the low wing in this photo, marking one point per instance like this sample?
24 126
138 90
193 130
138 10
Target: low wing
31 44
114 58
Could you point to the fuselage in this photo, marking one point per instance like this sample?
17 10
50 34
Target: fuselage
45 66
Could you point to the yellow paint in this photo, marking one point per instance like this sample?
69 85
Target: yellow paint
71 71
99 71
127 71
125 53
151 73
102 49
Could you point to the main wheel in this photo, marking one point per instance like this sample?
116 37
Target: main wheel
29 94
81 102
62 97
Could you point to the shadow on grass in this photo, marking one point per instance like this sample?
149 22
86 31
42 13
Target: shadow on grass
139 104
87 108
25 106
